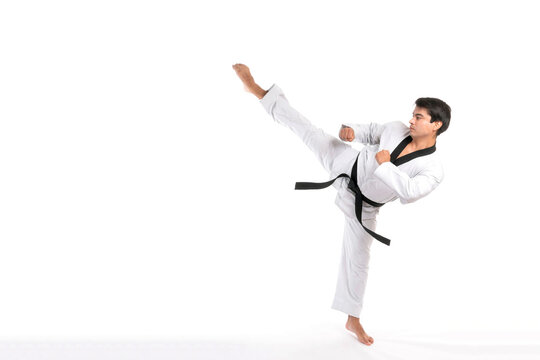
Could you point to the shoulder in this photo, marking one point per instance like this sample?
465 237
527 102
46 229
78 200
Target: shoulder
396 127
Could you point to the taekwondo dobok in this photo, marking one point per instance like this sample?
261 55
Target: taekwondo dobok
362 185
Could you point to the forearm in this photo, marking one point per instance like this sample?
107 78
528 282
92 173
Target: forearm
408 189
367 133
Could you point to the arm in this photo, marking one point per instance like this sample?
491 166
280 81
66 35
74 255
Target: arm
363 133
409 189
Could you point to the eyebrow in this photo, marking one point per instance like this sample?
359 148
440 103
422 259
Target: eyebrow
418 114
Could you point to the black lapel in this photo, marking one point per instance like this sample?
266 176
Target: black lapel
402 160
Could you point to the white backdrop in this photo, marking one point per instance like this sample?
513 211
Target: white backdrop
144 195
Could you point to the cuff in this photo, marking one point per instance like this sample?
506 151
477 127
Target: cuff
270 97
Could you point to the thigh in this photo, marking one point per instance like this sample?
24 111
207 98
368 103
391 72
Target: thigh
333 154
357 241
327 148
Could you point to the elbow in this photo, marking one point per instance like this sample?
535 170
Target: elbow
408 199
414 194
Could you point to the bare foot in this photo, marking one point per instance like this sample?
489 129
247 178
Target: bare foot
249 84
353 324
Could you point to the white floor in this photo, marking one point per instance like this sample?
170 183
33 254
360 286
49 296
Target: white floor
329 345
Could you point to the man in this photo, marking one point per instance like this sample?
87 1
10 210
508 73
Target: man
376 176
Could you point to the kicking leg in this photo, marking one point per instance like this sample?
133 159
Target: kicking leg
247 79
333 154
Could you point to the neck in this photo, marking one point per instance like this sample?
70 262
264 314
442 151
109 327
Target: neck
423 142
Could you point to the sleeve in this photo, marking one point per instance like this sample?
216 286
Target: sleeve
367 133
409 189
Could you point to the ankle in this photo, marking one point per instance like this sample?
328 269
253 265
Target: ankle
257 90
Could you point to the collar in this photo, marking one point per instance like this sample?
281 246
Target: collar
402 160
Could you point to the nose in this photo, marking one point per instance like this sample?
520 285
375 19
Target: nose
411 121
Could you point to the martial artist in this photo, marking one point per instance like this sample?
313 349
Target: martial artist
397 162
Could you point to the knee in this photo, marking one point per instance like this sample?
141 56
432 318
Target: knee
360 267
360 263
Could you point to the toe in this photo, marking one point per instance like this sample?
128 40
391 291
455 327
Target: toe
364 340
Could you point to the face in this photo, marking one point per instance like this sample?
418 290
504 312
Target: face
421 125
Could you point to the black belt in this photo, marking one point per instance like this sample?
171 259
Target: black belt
359 197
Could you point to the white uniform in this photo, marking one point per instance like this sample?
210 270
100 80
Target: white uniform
408 181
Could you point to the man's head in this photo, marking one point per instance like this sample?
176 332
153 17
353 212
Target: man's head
430 116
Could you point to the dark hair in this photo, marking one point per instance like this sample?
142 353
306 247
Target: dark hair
438 110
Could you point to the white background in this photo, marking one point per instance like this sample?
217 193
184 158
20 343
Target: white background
144 195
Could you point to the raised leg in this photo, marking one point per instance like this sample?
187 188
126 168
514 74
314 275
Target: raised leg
333 154
247 79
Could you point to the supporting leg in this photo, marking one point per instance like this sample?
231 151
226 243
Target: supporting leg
353 274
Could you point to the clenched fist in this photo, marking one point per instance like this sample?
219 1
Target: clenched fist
346 133
382 156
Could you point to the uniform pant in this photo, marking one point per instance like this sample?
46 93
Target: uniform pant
336 157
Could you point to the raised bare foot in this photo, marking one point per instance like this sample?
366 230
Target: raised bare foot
353 324
249 84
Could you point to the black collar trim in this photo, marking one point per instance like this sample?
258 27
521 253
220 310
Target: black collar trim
402 160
